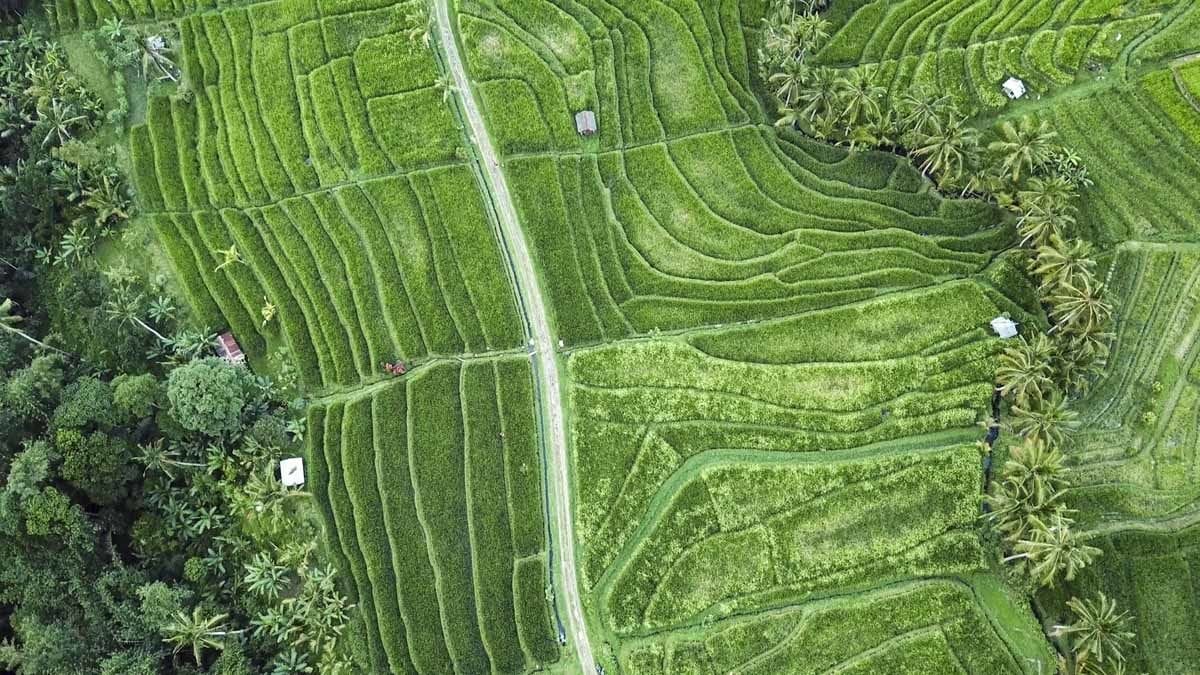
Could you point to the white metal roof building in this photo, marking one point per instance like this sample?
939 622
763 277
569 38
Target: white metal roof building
291 472
585 122
1014 88
1004 327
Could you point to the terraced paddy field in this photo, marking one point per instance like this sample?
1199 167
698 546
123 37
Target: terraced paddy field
967 48
776 352
432 497
312 163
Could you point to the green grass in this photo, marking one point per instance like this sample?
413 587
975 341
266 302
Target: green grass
438 514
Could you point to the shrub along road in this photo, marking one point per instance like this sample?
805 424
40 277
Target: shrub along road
533 307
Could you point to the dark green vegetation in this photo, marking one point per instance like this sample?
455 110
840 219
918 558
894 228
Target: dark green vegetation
142 526
433 496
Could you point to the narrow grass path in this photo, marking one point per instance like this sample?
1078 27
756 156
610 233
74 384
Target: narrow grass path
533 308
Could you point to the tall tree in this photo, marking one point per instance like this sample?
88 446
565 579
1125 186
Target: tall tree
1053 549
1023 146
1060 261
1047 420
9 320
1100 630
946 150
1079 307
1024 371
860 96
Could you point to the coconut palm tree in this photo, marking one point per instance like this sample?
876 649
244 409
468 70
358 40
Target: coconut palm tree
1032 482
860 96
1023 146
1047 192
1036 468
1053 549
1078 306
229 256
61 120
921 112
790 81
819 96
1024 371
1048 421
1100 631
1061 260
1039 223
9 320
197 632
1080 360
947 149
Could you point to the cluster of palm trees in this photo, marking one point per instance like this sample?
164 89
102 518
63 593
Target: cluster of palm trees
1027 508
1041 374
68 191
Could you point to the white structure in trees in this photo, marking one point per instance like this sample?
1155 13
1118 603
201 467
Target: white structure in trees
1004 327
1014 88
291 472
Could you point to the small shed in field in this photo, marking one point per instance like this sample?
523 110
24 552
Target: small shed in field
1004 327
585 123
228 348
291 472
1013 88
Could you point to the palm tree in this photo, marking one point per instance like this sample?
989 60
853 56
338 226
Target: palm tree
1039 223
1078 307
860 96
229 256
1032 482
196 632
1060 260
1049 193
10 320
1024 146
1100 630
788 117
921 113
790 81
418 21
1024 371
1080 360
1052 548
61 120
819 95
1049 421
1037 469
946 149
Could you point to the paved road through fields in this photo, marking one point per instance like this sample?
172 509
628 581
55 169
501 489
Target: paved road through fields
534 308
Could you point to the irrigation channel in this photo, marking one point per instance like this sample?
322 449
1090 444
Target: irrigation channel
542 344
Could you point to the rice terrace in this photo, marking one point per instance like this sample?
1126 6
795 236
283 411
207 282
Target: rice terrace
615 337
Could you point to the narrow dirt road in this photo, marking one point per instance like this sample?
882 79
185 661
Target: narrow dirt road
546 366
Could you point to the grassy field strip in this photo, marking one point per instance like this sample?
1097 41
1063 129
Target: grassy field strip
442 534
692 466
811 637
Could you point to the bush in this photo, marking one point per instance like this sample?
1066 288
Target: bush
210 396
97 464
86 403
136 397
